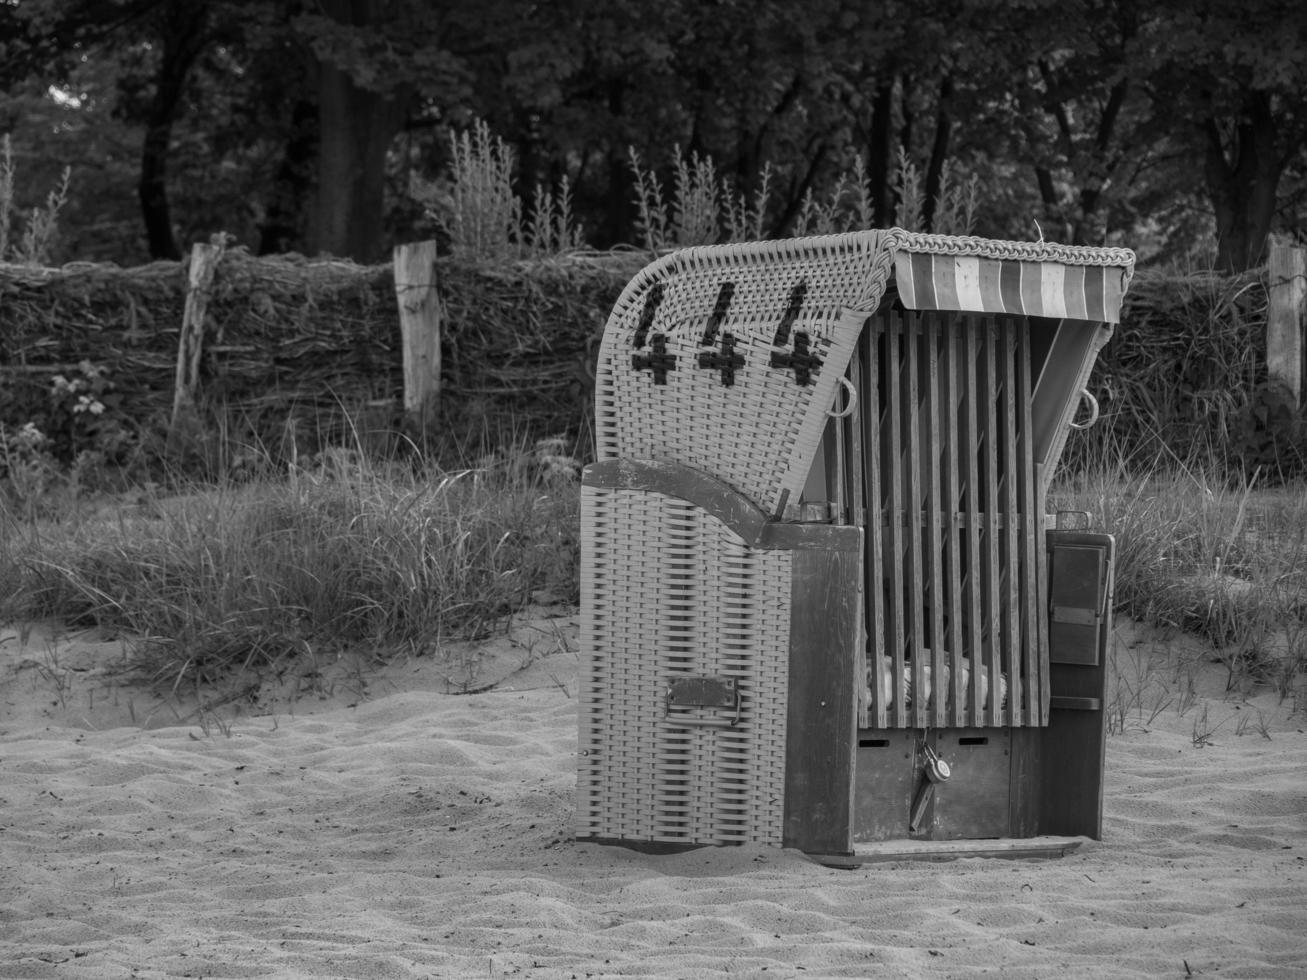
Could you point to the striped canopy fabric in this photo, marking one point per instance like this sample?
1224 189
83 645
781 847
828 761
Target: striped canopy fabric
1065 283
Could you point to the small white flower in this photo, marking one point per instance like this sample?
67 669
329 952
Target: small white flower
30 436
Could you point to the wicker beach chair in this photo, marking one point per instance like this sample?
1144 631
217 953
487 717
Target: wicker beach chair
819 488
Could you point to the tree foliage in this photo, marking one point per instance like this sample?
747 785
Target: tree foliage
1176 126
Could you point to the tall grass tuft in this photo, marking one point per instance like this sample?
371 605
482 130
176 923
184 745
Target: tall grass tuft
702 209
482 214
42 222
848 206
351 554
954 206
1196 552
552 229
693 215
746 220
910 210
484 219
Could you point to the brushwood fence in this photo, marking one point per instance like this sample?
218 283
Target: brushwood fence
300 354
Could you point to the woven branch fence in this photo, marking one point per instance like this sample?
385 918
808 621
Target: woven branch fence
301 354
298 354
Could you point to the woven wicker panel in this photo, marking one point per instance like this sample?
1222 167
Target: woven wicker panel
668 592
759 433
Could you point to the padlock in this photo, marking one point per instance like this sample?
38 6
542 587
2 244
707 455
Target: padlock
937 770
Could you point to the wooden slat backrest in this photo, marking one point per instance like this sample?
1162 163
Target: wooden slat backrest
953 569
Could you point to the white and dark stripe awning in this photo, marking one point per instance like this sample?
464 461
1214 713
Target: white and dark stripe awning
1062 290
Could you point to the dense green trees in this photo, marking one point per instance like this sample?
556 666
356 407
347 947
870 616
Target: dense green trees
1176 126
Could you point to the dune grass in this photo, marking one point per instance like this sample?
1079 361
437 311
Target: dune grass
350 554
1202 552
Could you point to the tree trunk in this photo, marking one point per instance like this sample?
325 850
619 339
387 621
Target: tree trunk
619 215
791 199
880 153
355 128
1048 197
152 189
283 225
1242 184
938 152
182 28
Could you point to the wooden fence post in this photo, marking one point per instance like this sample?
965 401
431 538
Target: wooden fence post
1287 282
190 345
419 324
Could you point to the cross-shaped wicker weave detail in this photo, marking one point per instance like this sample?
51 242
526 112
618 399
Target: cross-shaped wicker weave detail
726 361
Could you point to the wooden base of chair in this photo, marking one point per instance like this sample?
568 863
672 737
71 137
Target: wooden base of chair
883 852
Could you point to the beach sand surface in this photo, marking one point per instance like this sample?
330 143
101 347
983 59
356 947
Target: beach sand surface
378 822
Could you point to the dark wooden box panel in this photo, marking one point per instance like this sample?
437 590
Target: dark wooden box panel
884 780
974 801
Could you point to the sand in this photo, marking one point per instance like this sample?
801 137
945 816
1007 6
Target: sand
373 823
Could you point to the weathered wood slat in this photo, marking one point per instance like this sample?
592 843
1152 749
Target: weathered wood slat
1032 563
974 441
1011 539
894 555
916 580
952 497
934 448
875 567
990 563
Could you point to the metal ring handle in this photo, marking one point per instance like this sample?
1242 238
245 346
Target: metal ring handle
851 400
1093 410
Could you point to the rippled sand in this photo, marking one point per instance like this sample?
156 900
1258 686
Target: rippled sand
420 833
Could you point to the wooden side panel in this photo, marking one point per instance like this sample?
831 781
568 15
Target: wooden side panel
1074 743
822 720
